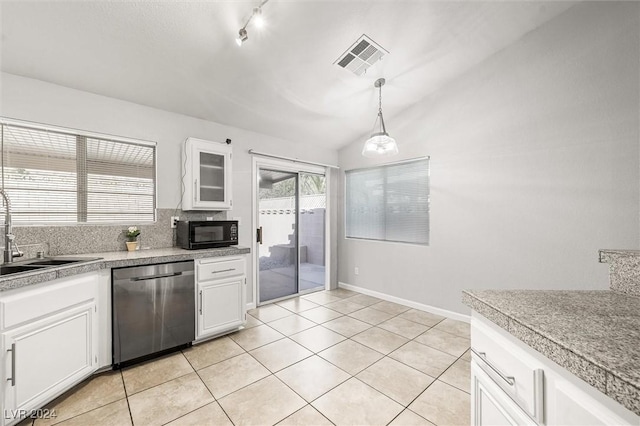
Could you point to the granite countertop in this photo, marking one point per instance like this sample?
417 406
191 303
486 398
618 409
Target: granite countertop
593 334
115 259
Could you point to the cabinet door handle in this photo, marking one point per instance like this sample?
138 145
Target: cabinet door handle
259 235
200 302
510 380
223 270
195 190
12 379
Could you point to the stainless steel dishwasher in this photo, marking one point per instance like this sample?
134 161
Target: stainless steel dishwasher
153 310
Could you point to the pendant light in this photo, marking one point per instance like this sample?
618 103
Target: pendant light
380 144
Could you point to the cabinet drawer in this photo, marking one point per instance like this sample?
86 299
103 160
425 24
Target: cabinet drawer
490 405
210 269
512 369
29 303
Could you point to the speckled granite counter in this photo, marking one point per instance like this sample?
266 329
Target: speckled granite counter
624 270
115 259
593 334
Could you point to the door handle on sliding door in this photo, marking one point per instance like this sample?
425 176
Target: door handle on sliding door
259 235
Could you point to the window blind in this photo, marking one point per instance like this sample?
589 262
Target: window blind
55 176
389 202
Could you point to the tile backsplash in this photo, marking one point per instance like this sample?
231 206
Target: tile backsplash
80 239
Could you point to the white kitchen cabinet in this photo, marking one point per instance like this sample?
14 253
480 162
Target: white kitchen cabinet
519 376
542 391
49 342
207 175
221 287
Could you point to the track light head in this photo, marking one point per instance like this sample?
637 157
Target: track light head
242 36
258 19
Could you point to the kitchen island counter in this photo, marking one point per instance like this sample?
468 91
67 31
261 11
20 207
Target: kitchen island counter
593 334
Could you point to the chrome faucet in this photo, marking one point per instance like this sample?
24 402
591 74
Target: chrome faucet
9 238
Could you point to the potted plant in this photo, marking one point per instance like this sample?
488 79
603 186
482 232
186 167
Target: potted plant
132 236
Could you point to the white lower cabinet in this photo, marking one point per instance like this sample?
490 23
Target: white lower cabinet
512 384
221 288
491 405
49 342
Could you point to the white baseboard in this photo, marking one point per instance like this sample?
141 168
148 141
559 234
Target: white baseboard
410 303
251 306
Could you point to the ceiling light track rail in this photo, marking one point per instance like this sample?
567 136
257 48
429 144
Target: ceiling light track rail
295 160
257 14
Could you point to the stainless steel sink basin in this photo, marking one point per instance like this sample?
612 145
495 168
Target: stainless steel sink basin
14 269
55 262
41 264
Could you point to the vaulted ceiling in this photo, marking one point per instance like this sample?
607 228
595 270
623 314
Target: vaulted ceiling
181 56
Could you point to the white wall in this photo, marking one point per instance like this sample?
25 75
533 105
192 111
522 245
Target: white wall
534 166
38 101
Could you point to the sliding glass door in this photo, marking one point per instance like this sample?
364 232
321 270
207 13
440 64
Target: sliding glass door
312 223
291 233
277 234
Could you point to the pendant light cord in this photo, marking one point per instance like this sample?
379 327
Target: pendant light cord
384 129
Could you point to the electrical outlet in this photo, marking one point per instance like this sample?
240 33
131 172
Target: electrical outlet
209 217
174 221
356 270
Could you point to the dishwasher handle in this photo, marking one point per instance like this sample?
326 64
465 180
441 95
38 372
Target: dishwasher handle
155 277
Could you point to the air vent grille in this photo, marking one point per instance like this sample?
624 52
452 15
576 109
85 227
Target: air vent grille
361 55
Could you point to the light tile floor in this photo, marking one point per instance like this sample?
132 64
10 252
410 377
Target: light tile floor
335 357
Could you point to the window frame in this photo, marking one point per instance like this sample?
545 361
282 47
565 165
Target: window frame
87 135
384 241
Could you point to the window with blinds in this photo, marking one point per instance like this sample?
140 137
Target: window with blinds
389 202
58 176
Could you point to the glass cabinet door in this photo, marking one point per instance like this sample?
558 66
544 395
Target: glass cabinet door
207 175
211 183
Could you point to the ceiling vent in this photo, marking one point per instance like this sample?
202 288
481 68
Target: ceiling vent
361 55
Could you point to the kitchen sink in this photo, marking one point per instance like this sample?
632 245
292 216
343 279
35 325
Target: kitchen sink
56 262
42 264
14 269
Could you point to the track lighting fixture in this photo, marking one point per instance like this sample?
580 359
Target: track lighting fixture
242 36
380 144
257 18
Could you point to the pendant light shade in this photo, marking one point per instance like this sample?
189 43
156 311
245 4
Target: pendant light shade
380 144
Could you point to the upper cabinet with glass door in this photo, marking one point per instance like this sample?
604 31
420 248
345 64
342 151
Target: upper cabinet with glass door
207 177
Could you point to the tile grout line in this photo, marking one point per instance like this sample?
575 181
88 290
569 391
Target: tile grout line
95 408
436 379
126 396
206 387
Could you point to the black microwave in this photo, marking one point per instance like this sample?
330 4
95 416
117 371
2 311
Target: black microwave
203 234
